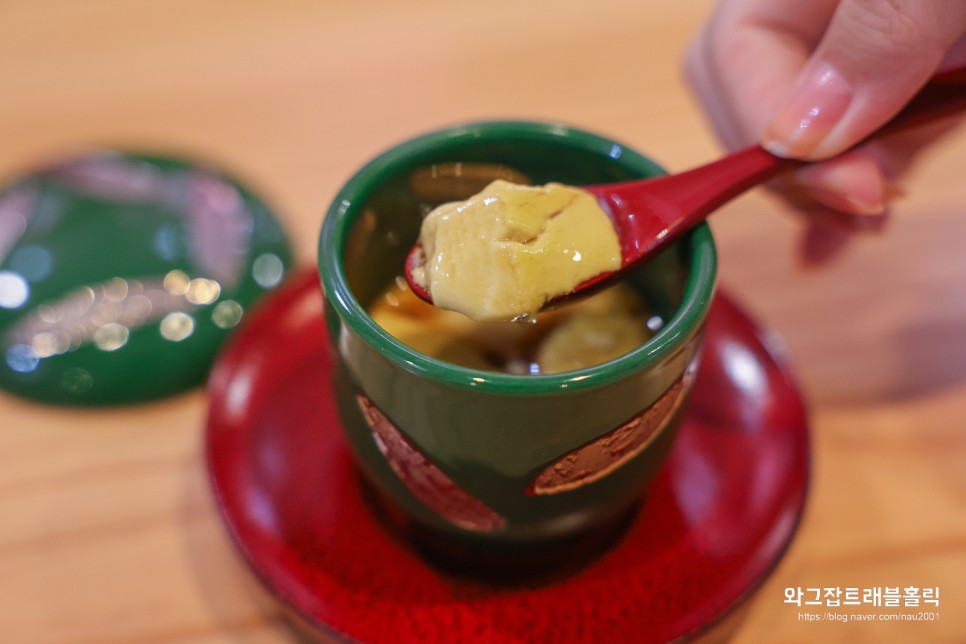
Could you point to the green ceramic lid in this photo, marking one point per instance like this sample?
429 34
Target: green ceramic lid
121 274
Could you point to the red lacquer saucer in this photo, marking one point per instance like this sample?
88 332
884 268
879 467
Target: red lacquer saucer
716 521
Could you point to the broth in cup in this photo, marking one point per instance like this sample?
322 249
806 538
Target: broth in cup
470 435
586 333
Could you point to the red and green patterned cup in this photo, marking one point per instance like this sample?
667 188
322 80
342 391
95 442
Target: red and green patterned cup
494 465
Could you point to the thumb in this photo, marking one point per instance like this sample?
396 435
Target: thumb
873 58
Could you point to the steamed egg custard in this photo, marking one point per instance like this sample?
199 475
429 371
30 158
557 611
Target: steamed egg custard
504 252
589 332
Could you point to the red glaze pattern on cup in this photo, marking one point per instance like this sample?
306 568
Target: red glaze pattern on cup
605 455
426 481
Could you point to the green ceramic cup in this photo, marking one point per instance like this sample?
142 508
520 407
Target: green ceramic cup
493 464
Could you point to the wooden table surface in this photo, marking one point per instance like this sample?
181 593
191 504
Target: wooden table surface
108 533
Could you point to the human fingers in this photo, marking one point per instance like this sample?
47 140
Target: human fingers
872 59
746 58
741 66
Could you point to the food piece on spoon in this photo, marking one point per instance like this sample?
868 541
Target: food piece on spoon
503 253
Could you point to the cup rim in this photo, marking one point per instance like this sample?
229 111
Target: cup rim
695 303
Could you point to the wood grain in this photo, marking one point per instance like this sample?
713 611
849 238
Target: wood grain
108 534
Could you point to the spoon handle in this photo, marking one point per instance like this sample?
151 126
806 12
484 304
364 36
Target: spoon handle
649 213
944 95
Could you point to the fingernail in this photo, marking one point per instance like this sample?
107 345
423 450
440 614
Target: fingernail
848 222
847 203
818 100
852 184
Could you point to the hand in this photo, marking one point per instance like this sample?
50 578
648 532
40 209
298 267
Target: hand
809 79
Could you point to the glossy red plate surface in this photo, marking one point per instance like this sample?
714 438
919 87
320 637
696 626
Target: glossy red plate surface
716 521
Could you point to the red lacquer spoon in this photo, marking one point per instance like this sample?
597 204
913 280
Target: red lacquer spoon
650 213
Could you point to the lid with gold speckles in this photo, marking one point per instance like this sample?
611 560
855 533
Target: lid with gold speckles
121 274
